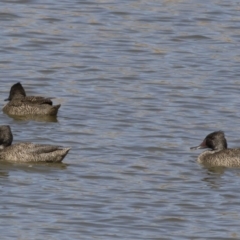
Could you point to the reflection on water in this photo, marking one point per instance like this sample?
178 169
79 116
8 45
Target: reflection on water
216 170
213 176
32 167
139 83
38 118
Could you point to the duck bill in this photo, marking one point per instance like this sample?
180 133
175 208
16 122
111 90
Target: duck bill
7 99
202 145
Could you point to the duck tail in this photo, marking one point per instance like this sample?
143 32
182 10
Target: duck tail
54 110
62 154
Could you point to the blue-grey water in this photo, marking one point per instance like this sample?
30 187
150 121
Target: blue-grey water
140 82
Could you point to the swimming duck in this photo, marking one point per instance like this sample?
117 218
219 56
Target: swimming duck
28 152
21 105
219 155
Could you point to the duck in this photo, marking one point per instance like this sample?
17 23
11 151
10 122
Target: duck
21 105
219 154
28 152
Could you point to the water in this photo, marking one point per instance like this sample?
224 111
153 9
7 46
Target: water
140 82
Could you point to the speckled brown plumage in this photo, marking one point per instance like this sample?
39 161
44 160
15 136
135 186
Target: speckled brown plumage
21 105
223 158
28 152
219 155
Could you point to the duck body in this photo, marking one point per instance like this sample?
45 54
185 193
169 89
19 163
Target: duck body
28 152
224 158
21 105
219 155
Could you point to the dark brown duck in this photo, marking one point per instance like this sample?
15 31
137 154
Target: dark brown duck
219 155
21 105
28 152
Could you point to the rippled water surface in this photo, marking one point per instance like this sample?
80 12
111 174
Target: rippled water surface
140 82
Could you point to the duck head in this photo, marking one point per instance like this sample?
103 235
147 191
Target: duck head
17 90
215 141
6 136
